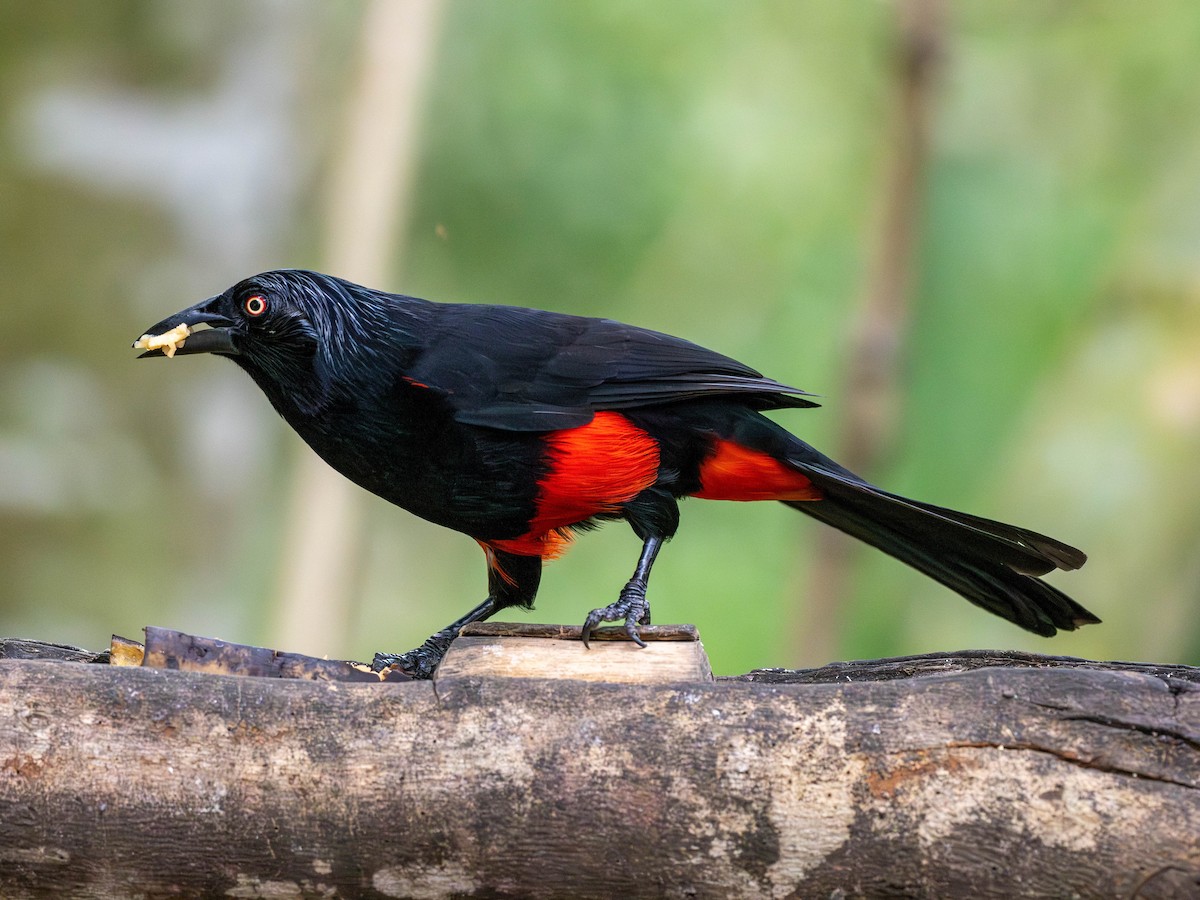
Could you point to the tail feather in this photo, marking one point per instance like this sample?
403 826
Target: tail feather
991 564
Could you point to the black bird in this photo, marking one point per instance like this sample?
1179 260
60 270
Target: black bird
518 427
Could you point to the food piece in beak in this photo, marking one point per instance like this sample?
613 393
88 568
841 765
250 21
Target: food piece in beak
168 342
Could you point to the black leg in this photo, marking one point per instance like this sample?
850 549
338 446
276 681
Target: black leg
422 661
631 605
512 581
654 517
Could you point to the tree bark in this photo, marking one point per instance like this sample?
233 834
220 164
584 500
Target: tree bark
1058 778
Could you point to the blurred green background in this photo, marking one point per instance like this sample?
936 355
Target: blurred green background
710 169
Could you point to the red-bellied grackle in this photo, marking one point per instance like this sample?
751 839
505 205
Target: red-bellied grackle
518 426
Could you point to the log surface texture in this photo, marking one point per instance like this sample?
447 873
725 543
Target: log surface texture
1075 780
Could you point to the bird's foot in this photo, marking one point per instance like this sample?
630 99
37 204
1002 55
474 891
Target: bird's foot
420 663
632 606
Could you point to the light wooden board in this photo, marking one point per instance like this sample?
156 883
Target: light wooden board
523 656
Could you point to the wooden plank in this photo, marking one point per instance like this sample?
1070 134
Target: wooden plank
650 633
673 653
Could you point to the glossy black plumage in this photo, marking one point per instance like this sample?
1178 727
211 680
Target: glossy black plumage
515 425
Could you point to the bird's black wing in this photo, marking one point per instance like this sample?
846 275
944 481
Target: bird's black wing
530 370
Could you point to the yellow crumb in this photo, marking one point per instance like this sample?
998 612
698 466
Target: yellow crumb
168 342
363 667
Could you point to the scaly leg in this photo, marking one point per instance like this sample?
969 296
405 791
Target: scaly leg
422 661
512 581
631 605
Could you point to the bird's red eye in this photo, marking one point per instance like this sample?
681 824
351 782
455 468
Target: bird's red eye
255 305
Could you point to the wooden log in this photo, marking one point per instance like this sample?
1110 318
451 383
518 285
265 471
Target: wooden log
1071 780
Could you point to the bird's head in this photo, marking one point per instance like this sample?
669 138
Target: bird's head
296 332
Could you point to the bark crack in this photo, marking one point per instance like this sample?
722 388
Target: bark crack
1151 729
1068 757
1155 731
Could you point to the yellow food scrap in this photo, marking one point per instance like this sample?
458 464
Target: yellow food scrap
363 667
168 342
124 652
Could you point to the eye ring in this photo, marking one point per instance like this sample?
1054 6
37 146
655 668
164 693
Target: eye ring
255 305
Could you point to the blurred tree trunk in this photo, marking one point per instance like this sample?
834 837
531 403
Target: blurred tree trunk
367 214
875 356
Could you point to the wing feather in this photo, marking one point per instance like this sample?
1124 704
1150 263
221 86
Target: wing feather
530 370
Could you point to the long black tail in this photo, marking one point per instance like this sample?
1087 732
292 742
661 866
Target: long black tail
995 566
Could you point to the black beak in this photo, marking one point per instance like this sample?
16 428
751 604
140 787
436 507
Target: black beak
217 337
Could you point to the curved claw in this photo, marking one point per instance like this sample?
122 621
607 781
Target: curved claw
630 606
420 663
594 618
631 629
409 663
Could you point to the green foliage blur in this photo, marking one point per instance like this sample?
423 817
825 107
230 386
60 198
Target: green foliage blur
709 169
